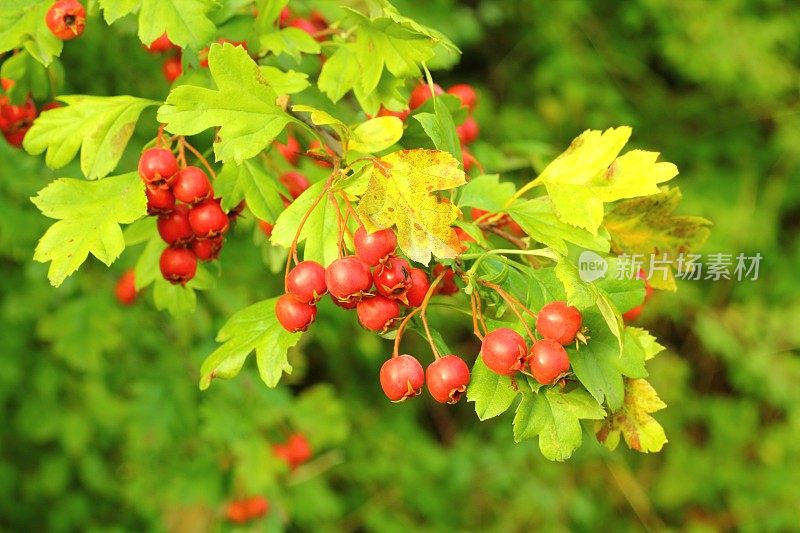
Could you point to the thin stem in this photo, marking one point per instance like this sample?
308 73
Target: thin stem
329 140
475 329
400 329
540 252
200 158
182 155
506 296
421 309
424 315
341 222
479 306
527 187
516 241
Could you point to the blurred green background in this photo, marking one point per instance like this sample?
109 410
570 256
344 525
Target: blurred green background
104 429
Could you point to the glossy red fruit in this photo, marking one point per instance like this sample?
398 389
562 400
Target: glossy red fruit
468 131
236 512
16 137
548 360
306 281
418 289
559 322
402 377
125 291
266 227
466 94
208 219
447 379
160 45
158 165
348 278
315 147
422 93
192 186
392 278
159 200
402 115
18 115
66 19
347 305
178 265
295 183
291 150
299 449
174 226
633 314
504 351
376 246
207 249
293 314
172 68
447 286
256 506
378 313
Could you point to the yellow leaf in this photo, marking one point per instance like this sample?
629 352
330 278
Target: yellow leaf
376 134
400 193
640 430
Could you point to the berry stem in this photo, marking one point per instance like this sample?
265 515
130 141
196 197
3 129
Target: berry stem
182 154
401 328
424 314
199 157
342 224
475 329
512 304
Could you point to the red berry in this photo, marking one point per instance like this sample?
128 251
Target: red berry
373 247
468 159
66 19
286 17
402 115
174 226
466 94
178 265
447 379
256 506
192 186
548 360
159 200
422 93
447 286
158 165
266 227
282 451
393 278
293 314
348 305
377 313
172 68
306 281
348 278
295 183
208 219
162 44
418 289
237 512
402 377
290 151
559 322
125 291
504 351
468 131
208 249
15 137
633 314
299 449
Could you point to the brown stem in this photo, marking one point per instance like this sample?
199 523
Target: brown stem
516 241
422 308
512 304
199 157
475 329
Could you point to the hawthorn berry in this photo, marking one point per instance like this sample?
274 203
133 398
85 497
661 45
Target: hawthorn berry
373 247
305 25
174 226
125 291
447 379
16 136
237 512
208 219
447 286
66 19
51 105
466 94
285 18
158 165
548 360
401 377
422 93
402 115
633 314
290 151
294 182
161 44
266 227
159 200
172 68
559 322
392 278
468 159
256 506
191 186
468 131
282 451
178 265
348 278
293 314
299 448
377 313
306 281
347 305
207 249
504 351
418 289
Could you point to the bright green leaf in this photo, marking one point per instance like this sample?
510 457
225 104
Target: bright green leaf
596 363
251 182
290 41
486 192
491 392
22 25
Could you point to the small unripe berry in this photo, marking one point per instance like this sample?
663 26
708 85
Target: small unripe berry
504 351
418 289
377 313
559 322
158 165
66 19
293 314
348 278
548 360
373 247
125 291
191 186
393 278
178 265
174 226
447 379
208 219
401 377
306 281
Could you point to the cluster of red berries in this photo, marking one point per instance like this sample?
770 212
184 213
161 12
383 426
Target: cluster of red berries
66 19
295 451
190 220
447 378
246 509
15 120
634 313
374 282
505 352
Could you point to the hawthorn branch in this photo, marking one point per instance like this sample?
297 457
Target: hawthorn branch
516 241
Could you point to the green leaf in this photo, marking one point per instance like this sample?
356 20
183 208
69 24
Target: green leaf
243 107
290 41
376 135
89 215
285 82
538 219
114 10
579 293
22 25
251 182
185 22
486 192
596 364
340 73
147 270
491 392
555 417
253 328
640 430
30 77
179 300
100 126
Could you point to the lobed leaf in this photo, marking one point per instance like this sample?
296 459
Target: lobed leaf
633 421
